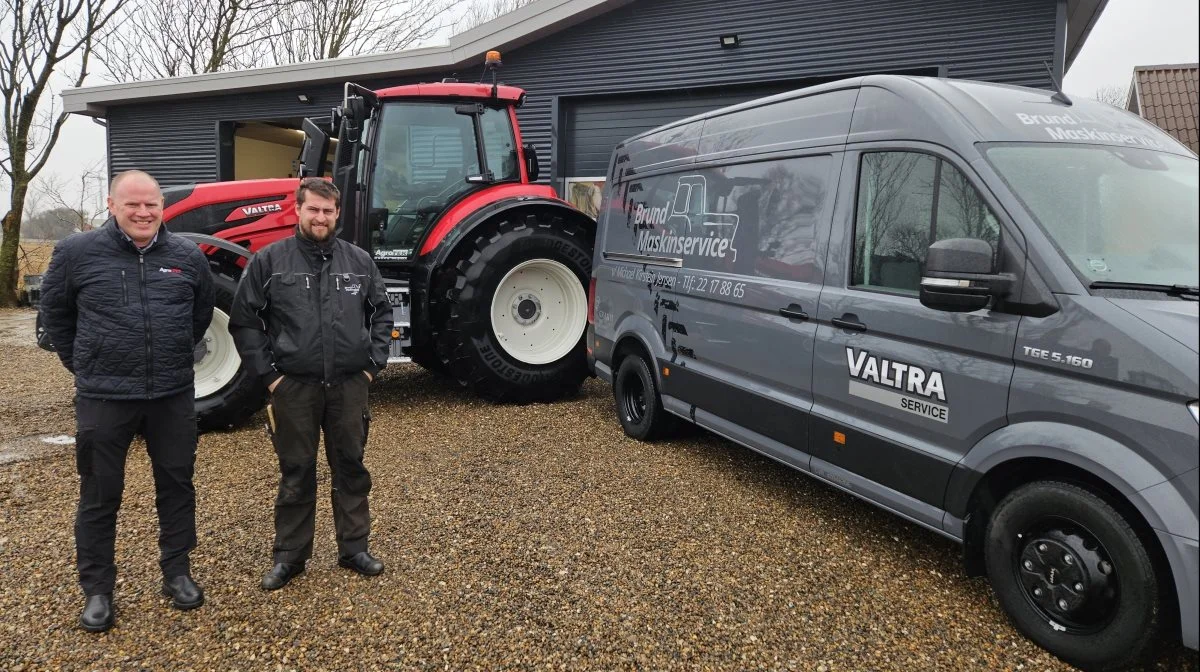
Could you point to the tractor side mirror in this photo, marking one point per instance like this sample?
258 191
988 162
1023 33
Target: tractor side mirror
316 148
531 162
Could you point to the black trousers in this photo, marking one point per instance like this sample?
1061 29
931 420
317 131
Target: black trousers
300 411
104 430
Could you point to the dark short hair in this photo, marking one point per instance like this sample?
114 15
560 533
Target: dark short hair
318 186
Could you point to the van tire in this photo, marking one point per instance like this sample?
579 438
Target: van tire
466 342
639 404
243 395
1029 538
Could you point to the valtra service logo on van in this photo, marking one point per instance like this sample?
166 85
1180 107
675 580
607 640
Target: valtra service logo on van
906 379
683 227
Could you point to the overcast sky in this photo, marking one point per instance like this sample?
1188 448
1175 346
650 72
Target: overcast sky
1129 33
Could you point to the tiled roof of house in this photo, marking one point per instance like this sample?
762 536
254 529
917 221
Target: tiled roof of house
1166 95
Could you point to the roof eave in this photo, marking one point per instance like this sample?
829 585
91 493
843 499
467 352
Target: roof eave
1086 12
515 29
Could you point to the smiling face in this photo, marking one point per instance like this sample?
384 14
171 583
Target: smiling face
318 216
137 204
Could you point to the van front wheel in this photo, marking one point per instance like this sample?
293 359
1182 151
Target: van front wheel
1073 575
639 406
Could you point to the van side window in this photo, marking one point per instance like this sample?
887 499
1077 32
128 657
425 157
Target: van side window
756 219
907 200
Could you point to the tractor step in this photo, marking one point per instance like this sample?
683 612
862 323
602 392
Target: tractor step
398 296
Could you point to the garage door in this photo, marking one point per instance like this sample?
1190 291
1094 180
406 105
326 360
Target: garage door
594 126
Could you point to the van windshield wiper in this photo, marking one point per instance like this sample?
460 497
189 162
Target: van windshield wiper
1185 290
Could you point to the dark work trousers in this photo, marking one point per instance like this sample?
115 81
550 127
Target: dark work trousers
300 412
105 428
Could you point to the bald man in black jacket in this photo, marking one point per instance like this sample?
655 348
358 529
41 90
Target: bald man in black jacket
125 306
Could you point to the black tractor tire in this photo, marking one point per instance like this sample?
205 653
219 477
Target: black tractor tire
1111 622
234 403
466 343
639 404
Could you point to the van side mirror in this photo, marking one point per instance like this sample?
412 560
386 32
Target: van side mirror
531 162
960 276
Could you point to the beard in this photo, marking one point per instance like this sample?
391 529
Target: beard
319 235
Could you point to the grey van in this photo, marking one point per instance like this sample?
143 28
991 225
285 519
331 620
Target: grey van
973 305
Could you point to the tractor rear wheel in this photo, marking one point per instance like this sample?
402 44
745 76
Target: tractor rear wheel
518 310
226 393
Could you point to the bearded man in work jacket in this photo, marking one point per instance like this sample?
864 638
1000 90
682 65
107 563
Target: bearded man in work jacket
125 306
311 318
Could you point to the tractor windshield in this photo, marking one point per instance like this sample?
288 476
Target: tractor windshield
425 153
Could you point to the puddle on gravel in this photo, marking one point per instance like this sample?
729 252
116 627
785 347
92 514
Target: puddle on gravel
34 447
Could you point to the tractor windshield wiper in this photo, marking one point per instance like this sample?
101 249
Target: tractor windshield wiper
1182 290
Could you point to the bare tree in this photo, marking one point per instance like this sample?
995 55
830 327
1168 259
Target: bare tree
157 39
38 38
1114 95
312 30
74 203
481 11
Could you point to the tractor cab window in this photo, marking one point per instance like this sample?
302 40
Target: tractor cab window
424 153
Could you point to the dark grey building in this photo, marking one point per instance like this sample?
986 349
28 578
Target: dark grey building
596 71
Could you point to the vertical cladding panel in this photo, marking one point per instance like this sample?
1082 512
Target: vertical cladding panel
657 45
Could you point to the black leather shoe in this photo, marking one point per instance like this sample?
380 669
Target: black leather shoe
97 613
184 592
363 563
280 575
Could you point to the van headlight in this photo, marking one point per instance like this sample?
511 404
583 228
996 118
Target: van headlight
1194 407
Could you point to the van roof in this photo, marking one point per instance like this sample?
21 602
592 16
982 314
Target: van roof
950 112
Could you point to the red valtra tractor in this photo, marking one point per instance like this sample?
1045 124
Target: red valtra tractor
487 271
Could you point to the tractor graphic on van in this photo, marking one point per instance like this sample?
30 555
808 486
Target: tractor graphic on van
687 228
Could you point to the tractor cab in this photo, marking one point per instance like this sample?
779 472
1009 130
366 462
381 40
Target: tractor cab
407 155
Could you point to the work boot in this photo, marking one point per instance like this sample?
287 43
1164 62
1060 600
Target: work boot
184 592
363 563
280 575
97 613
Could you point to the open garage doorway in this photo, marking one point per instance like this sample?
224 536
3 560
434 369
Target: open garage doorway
260 149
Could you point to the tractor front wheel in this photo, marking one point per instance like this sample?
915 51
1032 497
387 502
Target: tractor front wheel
518 310
226 392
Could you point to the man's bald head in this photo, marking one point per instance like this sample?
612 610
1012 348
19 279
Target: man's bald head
137 175
136 202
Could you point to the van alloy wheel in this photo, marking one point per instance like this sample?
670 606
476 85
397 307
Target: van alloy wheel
633 400
1074 575
1068 575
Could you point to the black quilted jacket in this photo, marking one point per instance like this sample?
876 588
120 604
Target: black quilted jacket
127 323
317 313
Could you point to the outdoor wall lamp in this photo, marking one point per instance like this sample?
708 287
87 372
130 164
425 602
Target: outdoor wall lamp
729 41
304 98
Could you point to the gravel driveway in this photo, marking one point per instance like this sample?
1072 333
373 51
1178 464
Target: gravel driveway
515 538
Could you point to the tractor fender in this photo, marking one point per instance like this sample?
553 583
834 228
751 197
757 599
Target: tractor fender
204 239
465 227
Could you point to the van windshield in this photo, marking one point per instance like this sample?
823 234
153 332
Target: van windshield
1122 215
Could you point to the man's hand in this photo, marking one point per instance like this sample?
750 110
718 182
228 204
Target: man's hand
272 386
370 378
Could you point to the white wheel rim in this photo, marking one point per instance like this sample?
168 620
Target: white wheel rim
221 363
539 311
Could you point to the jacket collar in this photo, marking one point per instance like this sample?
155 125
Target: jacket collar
110 227
313 248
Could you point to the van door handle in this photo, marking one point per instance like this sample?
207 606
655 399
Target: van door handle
849 322
793 312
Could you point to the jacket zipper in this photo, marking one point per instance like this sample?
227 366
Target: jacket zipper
146 320
124 290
